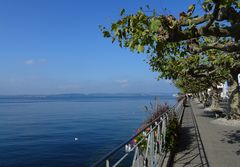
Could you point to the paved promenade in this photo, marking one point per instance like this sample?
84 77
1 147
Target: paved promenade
190 151
203 143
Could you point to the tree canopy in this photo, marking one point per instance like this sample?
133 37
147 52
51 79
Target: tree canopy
191 49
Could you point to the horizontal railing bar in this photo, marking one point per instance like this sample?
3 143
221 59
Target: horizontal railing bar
129 140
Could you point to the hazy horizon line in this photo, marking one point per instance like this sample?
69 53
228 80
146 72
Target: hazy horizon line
96 93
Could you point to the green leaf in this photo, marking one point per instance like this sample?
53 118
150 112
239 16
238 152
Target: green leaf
238 4
113 39
155 25
140 48
122 12
191 9
182 54
106 34
113 27
132 49
154 37
209 7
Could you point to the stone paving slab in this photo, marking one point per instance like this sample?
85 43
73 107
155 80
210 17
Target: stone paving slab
221 142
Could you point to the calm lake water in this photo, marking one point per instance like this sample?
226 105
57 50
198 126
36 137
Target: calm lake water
41 131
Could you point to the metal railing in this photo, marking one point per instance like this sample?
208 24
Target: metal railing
152 137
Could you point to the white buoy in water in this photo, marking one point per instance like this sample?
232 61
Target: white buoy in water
75 138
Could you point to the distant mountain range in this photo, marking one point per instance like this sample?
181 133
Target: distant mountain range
75 95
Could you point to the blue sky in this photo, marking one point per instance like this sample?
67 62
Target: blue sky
55 46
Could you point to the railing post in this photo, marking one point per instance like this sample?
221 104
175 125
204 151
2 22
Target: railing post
157 145
136 158
163 132
151 147
161 137
107 163
145 163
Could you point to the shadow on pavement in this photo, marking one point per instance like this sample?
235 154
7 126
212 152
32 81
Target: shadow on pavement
232 137
187 153
186 138
208 114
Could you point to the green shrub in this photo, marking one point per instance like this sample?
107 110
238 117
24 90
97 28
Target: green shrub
172 133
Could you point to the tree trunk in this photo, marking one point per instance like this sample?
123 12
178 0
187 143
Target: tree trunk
215 99
234 96
200 97
205 97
